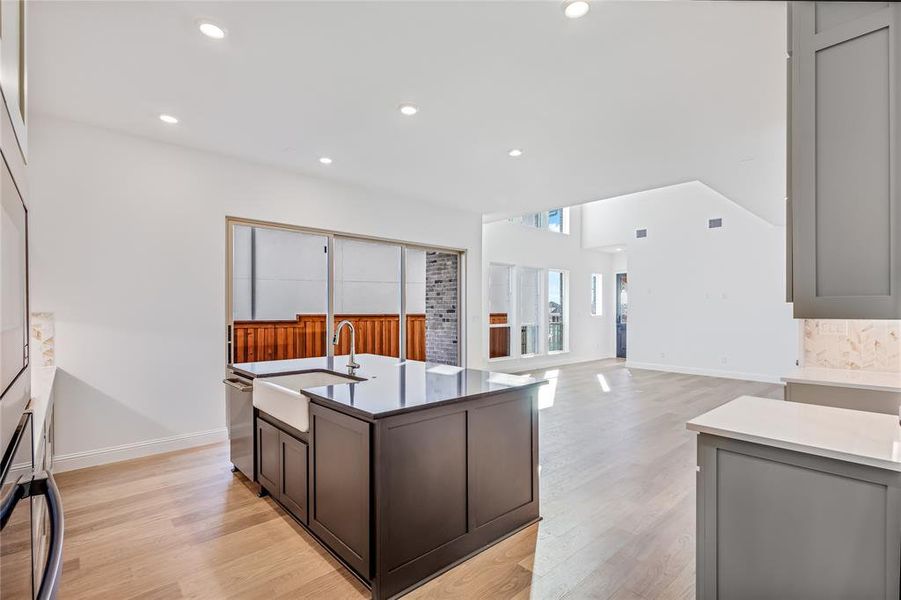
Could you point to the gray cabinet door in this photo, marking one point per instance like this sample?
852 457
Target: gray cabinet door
774 523
293 490
268 457
846 221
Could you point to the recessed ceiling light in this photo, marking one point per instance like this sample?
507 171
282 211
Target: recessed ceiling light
408 109
575 9
168 119
619 249
211 30
325 160
515 152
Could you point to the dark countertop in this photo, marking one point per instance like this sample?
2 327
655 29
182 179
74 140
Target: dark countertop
390 387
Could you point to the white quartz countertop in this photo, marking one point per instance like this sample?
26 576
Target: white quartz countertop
42 380
855 436
862 380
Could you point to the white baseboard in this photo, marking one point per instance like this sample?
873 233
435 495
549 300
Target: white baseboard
102 456
706 372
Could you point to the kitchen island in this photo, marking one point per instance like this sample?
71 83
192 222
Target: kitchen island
406 470
797 501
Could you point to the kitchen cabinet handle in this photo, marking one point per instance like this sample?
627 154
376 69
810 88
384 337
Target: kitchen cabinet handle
235 383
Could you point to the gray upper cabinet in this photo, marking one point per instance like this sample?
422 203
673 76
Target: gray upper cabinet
845 223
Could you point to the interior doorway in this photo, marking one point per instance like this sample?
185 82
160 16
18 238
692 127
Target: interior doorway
622 313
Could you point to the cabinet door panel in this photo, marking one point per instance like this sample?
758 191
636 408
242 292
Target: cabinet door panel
339 485
268 457
846 221
293 492
502 475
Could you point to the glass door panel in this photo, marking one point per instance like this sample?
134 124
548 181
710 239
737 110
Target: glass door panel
367 293
279 293
500 299
529 310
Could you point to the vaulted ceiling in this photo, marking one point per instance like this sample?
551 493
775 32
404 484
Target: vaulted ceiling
635 95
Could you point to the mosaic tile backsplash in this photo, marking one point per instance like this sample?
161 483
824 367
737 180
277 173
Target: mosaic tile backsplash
43 353
852 344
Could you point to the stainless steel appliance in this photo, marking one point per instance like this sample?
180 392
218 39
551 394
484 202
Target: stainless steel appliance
31 516
239 413
27 570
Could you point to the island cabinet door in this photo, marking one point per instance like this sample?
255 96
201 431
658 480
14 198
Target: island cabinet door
293 489
268 457
339 485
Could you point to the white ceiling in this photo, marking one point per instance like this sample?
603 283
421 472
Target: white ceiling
635 95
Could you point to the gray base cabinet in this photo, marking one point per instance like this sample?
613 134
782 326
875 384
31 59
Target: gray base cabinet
845 160
774 523
842 397
282 468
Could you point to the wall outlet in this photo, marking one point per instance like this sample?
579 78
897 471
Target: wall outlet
833 327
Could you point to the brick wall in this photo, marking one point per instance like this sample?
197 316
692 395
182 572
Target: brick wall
441 285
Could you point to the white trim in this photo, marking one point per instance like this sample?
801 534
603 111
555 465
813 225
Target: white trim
706 372
102 456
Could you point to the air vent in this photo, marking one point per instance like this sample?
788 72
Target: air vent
641 233
714 223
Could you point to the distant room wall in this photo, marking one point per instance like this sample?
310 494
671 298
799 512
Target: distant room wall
701 300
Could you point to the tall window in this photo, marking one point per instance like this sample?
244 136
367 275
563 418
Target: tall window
529 310
556 220
597 291
500 305
555 311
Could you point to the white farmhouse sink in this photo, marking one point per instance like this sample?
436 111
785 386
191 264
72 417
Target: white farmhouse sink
280 396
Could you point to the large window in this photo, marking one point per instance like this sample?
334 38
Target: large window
529 310
556 220
556 314
290 288
530 302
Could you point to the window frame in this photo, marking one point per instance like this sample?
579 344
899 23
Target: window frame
540 221
596 299
514 321
462 308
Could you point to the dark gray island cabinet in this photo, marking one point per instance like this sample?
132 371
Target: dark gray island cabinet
407 474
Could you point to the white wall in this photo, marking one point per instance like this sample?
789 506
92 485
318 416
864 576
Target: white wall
701 300
591 337
128 250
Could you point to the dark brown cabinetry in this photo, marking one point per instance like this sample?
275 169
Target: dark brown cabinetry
401 496
282 468
339 469
293 488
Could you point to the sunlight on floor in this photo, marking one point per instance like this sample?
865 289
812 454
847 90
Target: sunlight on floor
547 392
603 381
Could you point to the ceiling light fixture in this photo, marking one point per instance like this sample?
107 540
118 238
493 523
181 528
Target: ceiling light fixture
211 30
575 9
168 119
325 160
408 109
515 152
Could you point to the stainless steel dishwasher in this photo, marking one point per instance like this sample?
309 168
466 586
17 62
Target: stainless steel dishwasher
239 413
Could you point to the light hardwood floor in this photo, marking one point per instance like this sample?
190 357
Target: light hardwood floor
617 499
